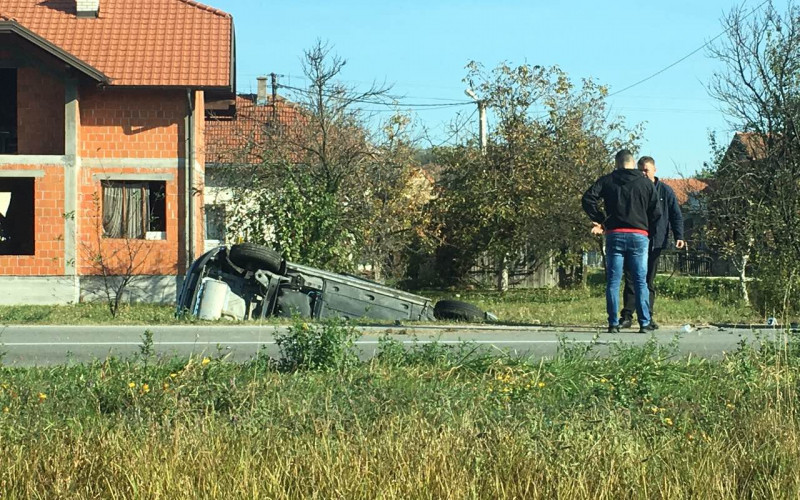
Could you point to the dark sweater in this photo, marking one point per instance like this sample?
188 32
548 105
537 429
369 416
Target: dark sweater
671 217
629 200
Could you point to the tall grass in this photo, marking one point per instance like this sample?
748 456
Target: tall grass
432 422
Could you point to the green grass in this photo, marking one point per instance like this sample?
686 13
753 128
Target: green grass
681 300
430 423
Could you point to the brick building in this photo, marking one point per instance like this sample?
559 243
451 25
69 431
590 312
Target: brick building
102 107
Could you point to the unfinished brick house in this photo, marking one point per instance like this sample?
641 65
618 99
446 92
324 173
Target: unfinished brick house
102 127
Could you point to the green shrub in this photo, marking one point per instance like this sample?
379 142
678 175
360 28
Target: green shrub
329 345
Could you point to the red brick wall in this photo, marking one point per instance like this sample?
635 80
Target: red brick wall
132 123
48 259
40 113
158 257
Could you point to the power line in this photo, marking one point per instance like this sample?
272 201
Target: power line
687 56
383 103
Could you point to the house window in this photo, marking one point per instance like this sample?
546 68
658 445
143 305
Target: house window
17 200
132 209
215 222
8 111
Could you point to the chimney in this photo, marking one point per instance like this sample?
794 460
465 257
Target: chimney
261 96
87 8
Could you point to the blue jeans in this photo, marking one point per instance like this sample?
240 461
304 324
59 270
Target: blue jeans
630 250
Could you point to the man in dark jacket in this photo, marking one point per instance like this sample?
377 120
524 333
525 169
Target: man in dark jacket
631 210
671 218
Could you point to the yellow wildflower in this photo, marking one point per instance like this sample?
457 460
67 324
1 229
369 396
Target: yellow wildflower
145 388
205 361
668 421
42 396
540 385
603 380
173 375
654 409
165 386
5 409
4 386
131 385
729 406
633 380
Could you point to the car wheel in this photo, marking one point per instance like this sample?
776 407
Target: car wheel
254 257
457 310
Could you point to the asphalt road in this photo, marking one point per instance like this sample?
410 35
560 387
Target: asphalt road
48 345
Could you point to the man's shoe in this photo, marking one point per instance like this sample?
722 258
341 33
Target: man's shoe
625 322
648 328
654 324
613 329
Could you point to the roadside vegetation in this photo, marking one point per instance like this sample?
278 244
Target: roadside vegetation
429 422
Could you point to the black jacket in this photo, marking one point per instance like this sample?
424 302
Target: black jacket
629 199
671 217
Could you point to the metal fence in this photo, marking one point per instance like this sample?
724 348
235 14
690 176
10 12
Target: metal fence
687 263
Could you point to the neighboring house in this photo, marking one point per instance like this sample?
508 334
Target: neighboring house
102 139
689 195
237 136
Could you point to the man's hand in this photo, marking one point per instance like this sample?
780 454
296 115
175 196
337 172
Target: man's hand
597 229
680 245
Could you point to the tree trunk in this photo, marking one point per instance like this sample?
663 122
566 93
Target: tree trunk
502 274
743 272
743 281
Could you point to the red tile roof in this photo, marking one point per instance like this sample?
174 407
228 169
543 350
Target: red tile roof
685 187
137 42
754 144
228 137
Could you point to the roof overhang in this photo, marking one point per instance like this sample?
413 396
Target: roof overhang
13 27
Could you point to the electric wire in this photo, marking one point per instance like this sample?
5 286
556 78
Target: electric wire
687 56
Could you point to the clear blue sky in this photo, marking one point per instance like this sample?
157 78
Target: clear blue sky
421 47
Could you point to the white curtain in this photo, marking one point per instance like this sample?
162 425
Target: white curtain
126 209
137 206
112 209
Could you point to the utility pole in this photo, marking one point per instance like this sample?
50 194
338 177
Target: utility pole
481 117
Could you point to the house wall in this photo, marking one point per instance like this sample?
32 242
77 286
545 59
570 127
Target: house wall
132 123
150 257
126 134
48 258
136 135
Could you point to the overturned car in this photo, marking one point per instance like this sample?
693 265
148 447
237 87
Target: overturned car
248 281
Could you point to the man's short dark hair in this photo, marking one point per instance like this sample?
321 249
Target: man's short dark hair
643 160
623 157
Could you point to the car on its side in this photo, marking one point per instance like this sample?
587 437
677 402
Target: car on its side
249 281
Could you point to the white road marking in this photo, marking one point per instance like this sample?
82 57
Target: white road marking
272 342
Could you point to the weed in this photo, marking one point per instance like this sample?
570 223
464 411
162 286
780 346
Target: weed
329 345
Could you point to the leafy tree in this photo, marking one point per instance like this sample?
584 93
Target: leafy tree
327 189
520 202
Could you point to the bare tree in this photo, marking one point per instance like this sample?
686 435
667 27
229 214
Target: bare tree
760 92
118 262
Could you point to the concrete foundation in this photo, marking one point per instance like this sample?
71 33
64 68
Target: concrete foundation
59 290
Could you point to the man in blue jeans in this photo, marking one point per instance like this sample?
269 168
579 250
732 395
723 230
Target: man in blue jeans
631 209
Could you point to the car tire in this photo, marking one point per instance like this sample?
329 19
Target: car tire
253 257
457 310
